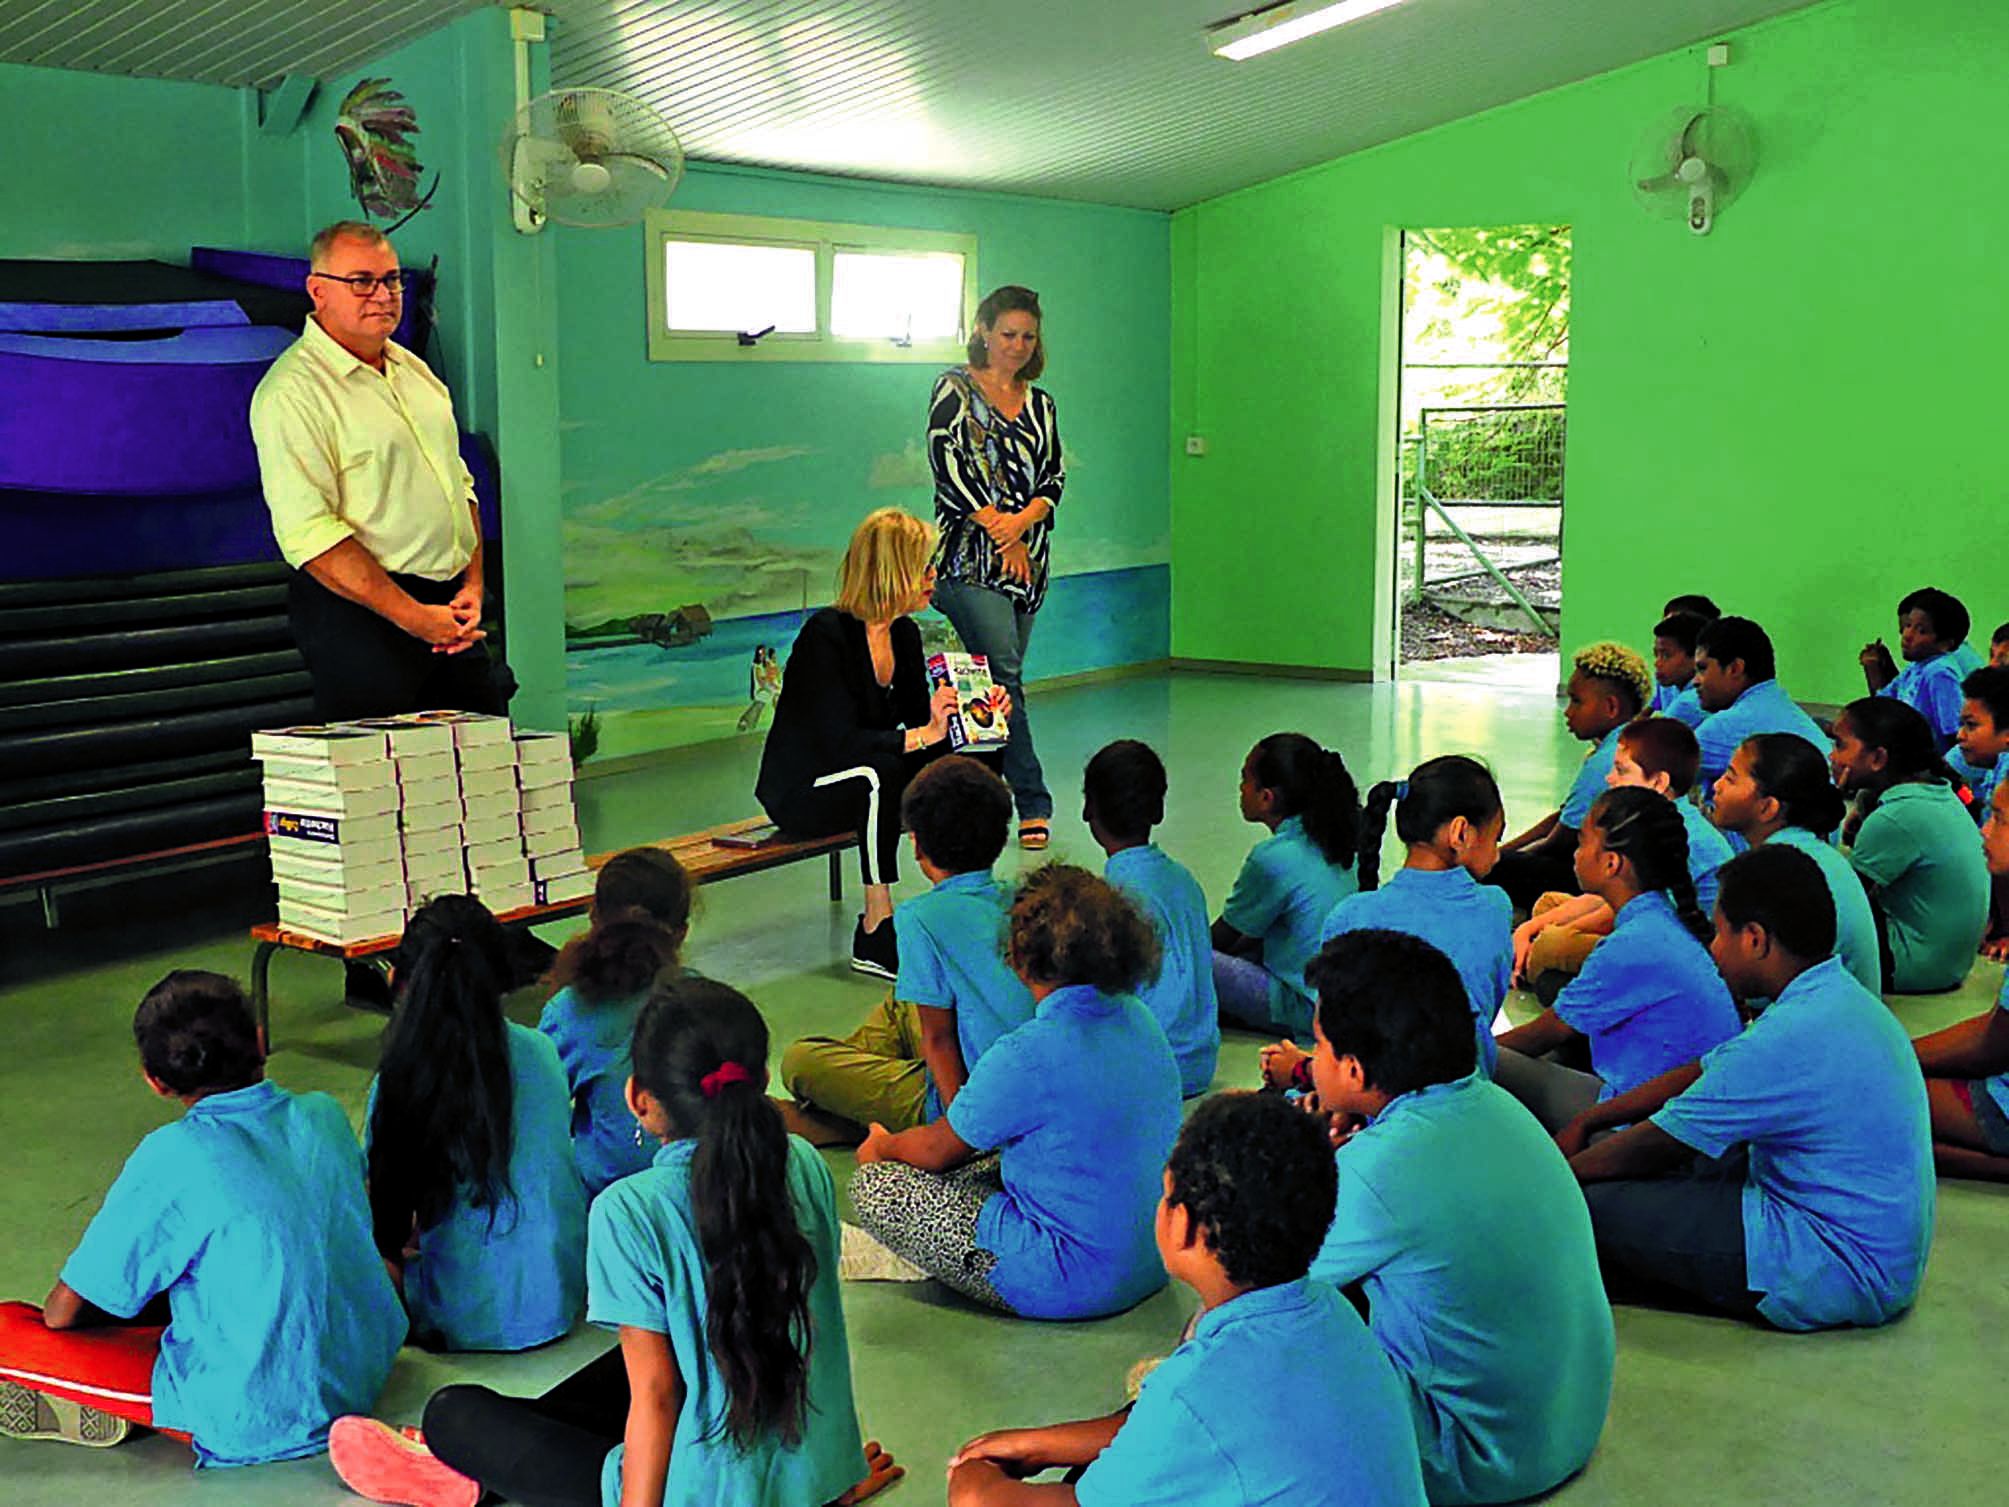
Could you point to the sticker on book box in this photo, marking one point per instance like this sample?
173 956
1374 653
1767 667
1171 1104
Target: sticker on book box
303 826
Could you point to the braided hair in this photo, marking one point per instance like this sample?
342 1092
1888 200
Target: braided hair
1643 827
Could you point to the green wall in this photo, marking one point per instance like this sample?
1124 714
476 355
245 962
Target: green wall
1788 414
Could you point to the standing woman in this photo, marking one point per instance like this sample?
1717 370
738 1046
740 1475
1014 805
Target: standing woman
994 444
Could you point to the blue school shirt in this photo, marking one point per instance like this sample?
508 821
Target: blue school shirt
1466 1228
249 1213
1649 997
1083 1101
1762 708
646 1270
1181 998
952 957
1281 1396
1979 779
1932 688
1708 851
1855 923
1283 894
593 1047
1471 923
1591 782
511 1275
1922 851
1681 702
1825 1089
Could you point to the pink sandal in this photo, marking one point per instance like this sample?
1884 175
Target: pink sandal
393 1465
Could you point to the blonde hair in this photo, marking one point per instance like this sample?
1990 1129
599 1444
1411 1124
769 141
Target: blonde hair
1618 666
360 231
884 564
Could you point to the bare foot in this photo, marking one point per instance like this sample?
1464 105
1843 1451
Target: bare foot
880 1472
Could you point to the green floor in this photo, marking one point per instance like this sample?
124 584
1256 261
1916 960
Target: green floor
1704 1410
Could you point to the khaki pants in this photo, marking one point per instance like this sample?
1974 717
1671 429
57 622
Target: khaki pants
873 1076
1560 949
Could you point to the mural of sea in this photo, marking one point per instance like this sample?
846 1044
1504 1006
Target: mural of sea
647 696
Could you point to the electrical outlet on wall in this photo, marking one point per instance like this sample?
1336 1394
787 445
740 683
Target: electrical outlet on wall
1196 444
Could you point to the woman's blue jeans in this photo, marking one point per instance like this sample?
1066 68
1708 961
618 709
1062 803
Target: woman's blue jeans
993 625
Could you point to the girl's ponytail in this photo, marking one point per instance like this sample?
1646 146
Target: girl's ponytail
1437 790
641 914
1316 787
1373 822
1794 773
1644 827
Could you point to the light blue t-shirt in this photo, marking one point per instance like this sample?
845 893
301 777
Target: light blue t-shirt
1469 1234
1855 923
1708 851
249 1213
1825 1089
513 1275
1279 1397
647 1270
593 1046
952 957
1471 923
1764 707
1922 851
1998 1086
1681 702
1649 997
1083 1101
1182 996
1283 894
1980 780
1592 780
1931 687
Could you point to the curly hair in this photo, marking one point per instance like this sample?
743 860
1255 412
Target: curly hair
1259 1180
641 915
959 811
1619 667
196 1035
1069 926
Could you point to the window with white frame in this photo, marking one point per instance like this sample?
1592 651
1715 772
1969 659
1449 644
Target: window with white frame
745 287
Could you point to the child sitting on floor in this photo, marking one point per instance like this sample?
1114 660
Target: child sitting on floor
245 1220
1675 638
1983 743
1081 1102
1609 685
1932 636
1289 882
473 1187
954 994
1737 682
1815 1205
1122 799
1279 1392
718 1267
1654 753
1460 1223
641 913
1778 790
1913 843
1967 1066
1648 998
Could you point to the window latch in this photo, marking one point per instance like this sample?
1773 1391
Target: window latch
754 338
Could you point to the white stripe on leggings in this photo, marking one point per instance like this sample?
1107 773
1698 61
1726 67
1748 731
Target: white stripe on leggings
870 842
36 1381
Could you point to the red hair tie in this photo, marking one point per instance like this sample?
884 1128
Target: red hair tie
723 1077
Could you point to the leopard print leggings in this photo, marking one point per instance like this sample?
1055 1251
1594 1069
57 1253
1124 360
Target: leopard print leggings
931 1219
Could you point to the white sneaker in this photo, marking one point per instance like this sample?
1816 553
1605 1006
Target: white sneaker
864 1258
26 1414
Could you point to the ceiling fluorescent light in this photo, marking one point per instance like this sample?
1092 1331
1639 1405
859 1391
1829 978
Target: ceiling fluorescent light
1275 26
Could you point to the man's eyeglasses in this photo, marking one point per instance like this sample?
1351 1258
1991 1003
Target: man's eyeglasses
365 286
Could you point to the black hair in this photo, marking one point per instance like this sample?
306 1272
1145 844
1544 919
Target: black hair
1315 786
441 1127
1396 1004
641 915
1436 791
959 812
1643 827
1950 621
1258 1177
1694 603
196 1034
1784 891
1069 926
1733 638
1684 628
1910 747
1999 636
1124 787
1664 745
700 1051
1790 770
1989 685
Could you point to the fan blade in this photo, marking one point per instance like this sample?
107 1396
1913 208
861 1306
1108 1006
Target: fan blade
1659 185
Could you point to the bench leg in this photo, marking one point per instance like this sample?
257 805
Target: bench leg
836 878
261 991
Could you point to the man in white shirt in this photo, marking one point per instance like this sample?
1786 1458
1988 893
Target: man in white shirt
359 457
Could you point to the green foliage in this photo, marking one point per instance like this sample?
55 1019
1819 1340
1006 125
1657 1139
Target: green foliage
1531 261
1505 456
584 734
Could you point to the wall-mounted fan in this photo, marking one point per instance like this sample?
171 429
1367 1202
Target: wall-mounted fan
1693 163
591 157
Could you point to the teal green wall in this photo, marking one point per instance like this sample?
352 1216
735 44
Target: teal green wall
736 486
1787 414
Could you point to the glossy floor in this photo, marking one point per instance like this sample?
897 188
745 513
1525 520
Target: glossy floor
1704 1410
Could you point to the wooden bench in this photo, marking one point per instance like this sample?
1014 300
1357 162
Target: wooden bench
703 857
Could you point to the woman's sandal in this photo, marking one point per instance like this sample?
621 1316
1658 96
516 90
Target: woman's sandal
1034 834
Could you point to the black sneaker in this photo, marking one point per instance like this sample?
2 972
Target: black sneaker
875 952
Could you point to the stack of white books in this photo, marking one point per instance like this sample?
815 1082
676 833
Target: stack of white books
331 822
550 821
498 875
429 810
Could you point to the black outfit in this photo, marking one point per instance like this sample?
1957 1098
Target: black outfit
540 1452
366 666
1677 1241
1526 877
834 717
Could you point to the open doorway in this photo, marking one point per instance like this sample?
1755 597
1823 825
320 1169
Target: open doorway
1483 385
